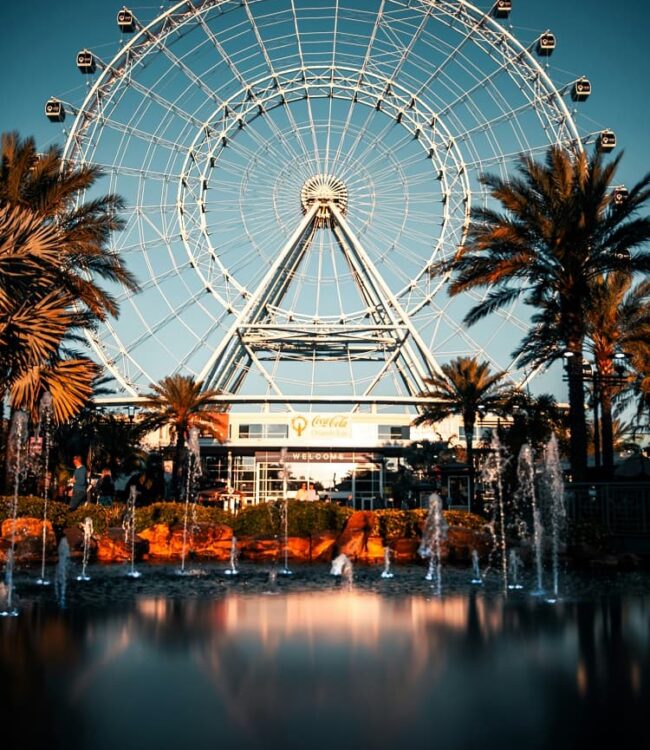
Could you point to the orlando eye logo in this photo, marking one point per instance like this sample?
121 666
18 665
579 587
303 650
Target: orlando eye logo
299 424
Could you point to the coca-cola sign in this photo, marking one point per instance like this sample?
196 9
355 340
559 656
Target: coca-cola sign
320 425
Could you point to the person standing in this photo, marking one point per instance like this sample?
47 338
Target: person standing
106 488
79 479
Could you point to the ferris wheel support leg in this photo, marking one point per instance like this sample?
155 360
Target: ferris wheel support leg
223 361
398 314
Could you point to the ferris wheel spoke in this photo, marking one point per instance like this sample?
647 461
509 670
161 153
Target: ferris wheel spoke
214 121
271 68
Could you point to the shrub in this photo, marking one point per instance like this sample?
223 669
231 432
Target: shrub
32 507
173 514
304 518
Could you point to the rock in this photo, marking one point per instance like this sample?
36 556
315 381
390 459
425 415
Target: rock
462 540
353 540
158 537
374 550
211 541
299 548
405 550
203 541
75 537
322 546
28 540
259 549
112 548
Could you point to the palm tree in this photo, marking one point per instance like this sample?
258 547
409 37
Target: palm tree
618 322
179 402
53 251
467 388
560 226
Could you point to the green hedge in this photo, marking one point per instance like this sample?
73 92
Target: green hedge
304 518
173 514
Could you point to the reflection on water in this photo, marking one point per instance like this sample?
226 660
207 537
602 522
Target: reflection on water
333 668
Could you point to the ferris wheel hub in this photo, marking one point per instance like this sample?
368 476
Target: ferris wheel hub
325 189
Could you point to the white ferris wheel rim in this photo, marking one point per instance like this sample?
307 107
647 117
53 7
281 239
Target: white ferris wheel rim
312 82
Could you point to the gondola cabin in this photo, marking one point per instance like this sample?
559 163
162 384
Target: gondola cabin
126 21
86 62
54 110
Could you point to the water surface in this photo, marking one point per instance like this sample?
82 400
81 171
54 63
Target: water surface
310 662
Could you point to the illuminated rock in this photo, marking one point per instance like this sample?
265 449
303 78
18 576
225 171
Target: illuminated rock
112 548
373 551
461 541
353 540
322 546
28 539
405 550
75 537
158 537
299 548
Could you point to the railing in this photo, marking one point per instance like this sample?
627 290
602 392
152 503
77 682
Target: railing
623 509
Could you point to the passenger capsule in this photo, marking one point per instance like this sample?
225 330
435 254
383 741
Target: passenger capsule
580 90
126 21
606 141
546 44
502 9
54 110
86 62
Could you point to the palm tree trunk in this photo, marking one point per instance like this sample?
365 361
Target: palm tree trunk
577 420
178 462
468 424
607 430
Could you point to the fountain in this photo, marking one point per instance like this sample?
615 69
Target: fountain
87 527
193 472
492 475
528 496
129 531
477 579
285 537
553 490
386 573
61 574
342 568
17 436
234 554
514 566
434 533
45 424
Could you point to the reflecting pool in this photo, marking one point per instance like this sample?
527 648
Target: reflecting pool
310 662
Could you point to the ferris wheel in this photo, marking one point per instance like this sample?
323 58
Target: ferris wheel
292 171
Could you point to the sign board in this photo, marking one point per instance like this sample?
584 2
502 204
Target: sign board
297 456
308 426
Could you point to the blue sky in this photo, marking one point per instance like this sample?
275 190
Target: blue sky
39 41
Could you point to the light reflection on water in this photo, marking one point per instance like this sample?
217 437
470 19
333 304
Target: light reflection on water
332 668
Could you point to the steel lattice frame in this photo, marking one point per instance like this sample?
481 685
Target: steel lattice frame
214 118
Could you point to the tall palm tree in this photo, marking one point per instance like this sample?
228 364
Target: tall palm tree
466 387
179 402
53 252
618 321
557 228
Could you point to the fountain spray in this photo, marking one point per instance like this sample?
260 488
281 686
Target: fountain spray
17 436
45 422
